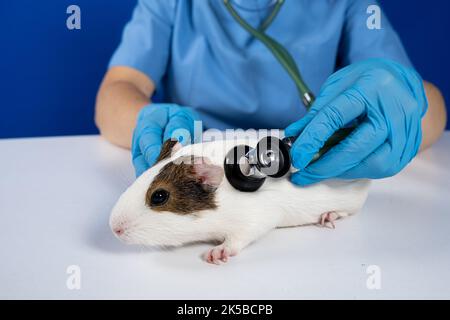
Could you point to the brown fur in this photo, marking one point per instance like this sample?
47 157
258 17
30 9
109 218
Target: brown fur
188 193
166 149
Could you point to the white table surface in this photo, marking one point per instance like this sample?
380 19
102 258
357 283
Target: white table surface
56 195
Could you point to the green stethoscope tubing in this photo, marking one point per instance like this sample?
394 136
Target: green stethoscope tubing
289 64
280 53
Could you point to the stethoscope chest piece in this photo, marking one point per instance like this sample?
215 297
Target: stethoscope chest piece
273 157
247 168
237 170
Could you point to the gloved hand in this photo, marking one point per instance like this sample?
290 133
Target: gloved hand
156 123
389 101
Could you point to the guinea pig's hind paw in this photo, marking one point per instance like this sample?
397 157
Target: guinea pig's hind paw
327 219
219 254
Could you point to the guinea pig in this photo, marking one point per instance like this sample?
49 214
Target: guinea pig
185 198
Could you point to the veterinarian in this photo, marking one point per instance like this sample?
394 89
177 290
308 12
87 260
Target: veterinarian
209 67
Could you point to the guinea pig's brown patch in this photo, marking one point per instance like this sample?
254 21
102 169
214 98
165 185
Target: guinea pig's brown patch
166 150
187 189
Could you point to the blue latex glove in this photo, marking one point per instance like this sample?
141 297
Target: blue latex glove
389 101
156 123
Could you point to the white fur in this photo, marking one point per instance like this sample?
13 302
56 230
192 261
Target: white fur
241 217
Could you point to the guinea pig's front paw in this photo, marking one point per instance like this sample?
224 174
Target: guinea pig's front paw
220 253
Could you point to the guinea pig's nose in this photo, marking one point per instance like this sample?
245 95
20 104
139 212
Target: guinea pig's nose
119 231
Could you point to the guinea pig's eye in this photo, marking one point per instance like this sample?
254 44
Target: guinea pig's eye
159 197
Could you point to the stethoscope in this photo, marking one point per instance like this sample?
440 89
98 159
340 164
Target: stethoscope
247 168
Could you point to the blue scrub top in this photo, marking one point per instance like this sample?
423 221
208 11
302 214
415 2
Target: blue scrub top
201 57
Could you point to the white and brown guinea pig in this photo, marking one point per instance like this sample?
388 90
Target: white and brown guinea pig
185 198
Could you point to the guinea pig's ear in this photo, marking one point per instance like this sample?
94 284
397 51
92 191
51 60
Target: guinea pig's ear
169 147
210 175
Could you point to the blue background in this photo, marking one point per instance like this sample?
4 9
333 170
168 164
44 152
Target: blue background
50 75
